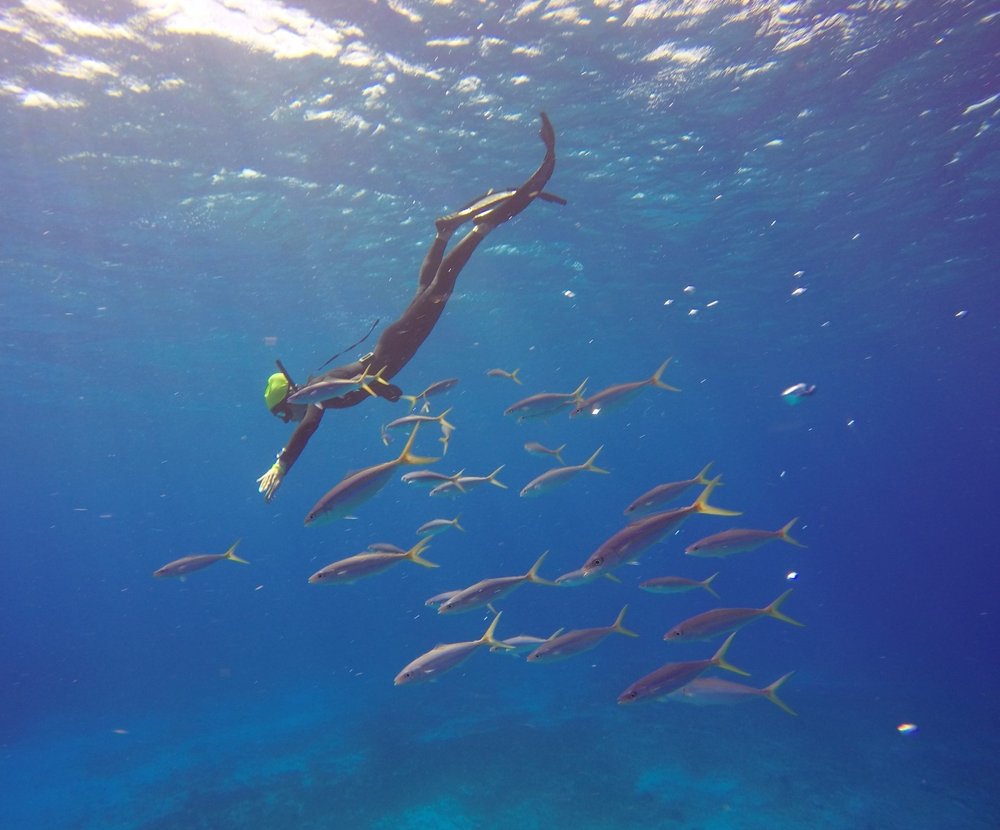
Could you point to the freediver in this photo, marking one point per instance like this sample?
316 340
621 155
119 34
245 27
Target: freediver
369 375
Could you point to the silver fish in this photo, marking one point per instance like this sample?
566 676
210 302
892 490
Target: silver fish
463 484
677 585
522 644
718 621
578 641
429 478
502 373
739 540
436 526
442 658
560 475
665 493
672 676
710 691
534 448
360 486
632 540
487 590
353 568
621 393
545 404
435 388
437 599
195 562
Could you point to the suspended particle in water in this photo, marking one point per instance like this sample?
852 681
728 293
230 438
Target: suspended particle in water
960 314
798 292
689 289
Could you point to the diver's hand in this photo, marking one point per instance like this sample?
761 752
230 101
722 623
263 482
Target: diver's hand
271 480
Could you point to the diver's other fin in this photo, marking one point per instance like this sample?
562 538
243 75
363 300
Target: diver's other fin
551 197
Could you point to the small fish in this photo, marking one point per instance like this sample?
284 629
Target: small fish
522 644
621 393
534 448
322 390
436 526
677 585
709 691
358 487
672 676
463 484
446 428
739 540
560 475
434 389
501 373
487 590
353 568
578 641
187 564
429 478
665 493
577 577
437 599
434 663
545 404
718 621
632 540
793 395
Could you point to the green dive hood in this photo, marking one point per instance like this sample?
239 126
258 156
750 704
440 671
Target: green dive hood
276 390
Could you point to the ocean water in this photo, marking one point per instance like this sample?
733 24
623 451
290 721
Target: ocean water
769 193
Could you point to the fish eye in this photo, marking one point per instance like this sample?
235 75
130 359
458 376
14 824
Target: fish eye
597 561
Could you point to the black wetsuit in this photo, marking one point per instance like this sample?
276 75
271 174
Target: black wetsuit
400 341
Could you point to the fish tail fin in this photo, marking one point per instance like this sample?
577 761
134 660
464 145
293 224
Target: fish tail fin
655 379
558 454
231 553
707 585
412 400
492 478
456 524
489 640
515 378
556 633
771 693
772 610
405 457
621 629
700 478
413 554
719 658
577 394
701 504
785 537
532 574
589 464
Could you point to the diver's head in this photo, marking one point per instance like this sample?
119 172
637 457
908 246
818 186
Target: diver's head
276 398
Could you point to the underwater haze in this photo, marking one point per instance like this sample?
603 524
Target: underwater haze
769 193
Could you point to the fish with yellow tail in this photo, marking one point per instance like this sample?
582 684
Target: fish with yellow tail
672 676
740 540
621 393
718 621
432 664
578 641
356 488
635 538
323 390
545 404
488 590
551 479
664 493
353 568
186 564
714 691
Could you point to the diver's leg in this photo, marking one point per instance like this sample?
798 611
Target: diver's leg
527 192
432 261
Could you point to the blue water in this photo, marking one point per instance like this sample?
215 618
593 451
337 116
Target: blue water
192 191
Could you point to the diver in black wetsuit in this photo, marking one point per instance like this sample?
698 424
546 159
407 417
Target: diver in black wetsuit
400 341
